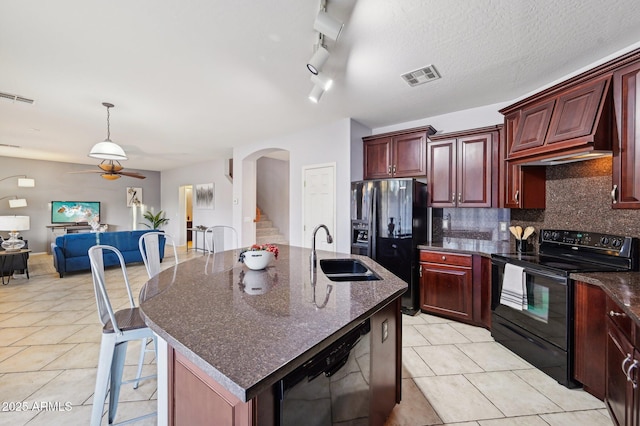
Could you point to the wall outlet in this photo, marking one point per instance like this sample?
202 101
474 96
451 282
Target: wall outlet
503 226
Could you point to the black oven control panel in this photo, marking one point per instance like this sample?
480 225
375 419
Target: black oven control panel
592 240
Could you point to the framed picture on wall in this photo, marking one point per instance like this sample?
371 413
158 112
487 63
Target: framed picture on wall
134 196
205 196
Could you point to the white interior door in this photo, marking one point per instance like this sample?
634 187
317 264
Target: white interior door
319 204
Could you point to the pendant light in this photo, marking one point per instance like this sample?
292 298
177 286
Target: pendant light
108 150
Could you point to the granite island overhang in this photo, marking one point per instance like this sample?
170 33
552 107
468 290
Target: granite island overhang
248 329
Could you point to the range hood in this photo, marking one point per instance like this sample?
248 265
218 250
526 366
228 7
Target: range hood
568 158
570 124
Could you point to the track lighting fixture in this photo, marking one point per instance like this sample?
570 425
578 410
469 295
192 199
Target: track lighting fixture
318 59
322 80
327 25
316 94
108 150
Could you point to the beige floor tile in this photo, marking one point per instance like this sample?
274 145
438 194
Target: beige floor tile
20 386
146 388
50 335
64 318
590 418
79 415
83 355
568 399
10 335
441 334
455 399
38 306
515 421
433 319
129 410
414 408
412 320
512 395
7 351
6 316
411 337
25 319
474 334
413 365
6 307
74 305
447 359
492 356
16 418
33 358
72 386
87 334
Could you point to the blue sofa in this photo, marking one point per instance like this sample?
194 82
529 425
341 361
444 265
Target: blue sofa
71 251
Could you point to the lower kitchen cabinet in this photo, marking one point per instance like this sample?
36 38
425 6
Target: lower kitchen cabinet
590 338
456 286
622 395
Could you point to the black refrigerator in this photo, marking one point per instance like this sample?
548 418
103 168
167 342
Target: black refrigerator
388 221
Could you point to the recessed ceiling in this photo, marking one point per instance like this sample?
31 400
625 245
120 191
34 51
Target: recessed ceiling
190 80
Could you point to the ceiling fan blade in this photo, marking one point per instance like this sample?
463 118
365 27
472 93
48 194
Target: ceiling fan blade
131 174
87 171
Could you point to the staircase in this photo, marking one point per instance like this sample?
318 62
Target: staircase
267 233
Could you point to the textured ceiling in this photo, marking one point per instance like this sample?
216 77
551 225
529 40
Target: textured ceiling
192 79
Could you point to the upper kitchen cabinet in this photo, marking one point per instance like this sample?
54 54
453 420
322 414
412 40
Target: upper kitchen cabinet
626 152
521 187
397 154
461 168
571 121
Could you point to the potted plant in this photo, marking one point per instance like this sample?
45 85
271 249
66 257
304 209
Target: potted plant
156 221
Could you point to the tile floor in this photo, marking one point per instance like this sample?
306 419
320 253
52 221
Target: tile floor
453 374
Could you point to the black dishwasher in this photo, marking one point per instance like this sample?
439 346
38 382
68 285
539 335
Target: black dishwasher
332 387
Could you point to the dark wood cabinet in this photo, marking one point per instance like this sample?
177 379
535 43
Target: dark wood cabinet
462 168
622 394
590 338
574 119
456 285
626 152
396 154
446 284
521 187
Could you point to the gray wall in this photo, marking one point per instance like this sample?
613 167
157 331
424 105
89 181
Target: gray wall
54 182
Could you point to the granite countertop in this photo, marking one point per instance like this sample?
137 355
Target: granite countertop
469 246
248 329
622 287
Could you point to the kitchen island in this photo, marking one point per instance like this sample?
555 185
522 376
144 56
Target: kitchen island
233 334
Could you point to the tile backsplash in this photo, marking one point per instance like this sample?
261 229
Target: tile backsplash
578 198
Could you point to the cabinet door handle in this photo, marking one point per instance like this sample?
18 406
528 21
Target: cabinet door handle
389 170
631 367
444 257
614 198
617 314
453 198
394 169
420 271
459 197
624 365
516 196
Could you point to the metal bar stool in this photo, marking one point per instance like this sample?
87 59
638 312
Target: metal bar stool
118 329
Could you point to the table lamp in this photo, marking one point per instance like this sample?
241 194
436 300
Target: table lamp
13 224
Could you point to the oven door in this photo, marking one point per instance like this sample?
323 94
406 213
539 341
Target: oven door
547 314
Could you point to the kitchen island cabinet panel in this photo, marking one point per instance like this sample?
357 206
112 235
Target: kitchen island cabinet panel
626 153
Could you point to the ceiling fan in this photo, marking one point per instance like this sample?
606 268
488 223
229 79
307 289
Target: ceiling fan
112 170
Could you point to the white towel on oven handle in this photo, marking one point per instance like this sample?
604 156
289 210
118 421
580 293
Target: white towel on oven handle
514 287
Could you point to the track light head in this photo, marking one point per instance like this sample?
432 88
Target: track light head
316 94
327 25
318 59
322 80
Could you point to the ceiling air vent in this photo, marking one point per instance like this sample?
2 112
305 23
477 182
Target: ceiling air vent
15 98
420 76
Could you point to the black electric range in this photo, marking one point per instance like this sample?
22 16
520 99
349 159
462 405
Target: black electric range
538 326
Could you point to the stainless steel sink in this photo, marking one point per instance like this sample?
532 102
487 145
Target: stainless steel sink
347 270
